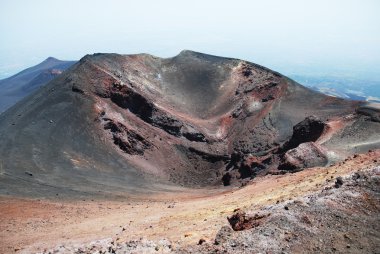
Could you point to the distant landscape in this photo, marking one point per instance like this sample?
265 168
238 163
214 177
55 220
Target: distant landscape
344 87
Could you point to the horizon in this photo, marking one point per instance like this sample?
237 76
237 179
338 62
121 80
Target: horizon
318 38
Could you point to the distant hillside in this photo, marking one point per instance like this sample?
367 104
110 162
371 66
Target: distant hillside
14 88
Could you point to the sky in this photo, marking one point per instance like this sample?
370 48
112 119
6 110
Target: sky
321 37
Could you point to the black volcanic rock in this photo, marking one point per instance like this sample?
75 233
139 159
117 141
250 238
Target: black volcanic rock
309 130
135 124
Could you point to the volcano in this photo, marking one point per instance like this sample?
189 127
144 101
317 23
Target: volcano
14 88
115 125
189 154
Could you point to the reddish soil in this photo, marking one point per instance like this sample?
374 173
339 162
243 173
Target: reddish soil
35 225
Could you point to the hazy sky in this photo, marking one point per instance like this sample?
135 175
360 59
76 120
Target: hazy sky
293 36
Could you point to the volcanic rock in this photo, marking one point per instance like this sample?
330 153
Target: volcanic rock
241 221
322 222
306 155
339 182
371 109
223 235
310 129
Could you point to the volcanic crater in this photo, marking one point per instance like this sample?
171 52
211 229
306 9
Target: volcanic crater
134 147
115 124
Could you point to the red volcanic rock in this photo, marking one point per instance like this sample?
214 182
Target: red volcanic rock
306 155
241 221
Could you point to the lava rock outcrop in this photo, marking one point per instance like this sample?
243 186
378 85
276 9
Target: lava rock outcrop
309 130
306 155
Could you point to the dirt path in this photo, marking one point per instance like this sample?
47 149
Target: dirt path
34 225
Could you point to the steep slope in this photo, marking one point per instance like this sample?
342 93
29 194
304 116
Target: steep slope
133 124
15 88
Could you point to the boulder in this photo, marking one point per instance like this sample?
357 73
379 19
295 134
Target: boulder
241 221
309 130
306 155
